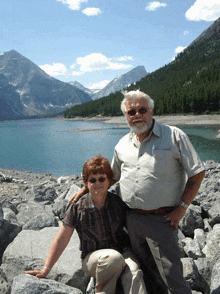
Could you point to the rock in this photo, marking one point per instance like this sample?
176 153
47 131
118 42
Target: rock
1 214
59 208
4 286
192 248
193 277
41 221
212 248
28 198
42 193
26 284
29 250
215 278
10 216
192 220
214 213
205 266
74 189
29 210
199 236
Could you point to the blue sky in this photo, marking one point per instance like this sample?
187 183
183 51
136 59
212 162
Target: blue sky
94 41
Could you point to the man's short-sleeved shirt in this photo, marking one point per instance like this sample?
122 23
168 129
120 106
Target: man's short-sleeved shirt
153 174
98 228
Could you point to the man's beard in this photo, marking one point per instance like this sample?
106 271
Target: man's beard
140 130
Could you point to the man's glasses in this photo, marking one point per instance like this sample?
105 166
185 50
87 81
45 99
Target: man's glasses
94 180
133 111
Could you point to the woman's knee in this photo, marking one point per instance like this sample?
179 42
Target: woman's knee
111 260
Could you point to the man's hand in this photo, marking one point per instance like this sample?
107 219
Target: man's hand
175 216
78 195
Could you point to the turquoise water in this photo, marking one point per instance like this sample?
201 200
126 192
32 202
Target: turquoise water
48 145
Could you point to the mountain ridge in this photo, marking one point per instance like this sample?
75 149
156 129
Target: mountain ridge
39 92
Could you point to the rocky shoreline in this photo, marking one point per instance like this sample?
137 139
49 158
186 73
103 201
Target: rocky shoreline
33 204
209 119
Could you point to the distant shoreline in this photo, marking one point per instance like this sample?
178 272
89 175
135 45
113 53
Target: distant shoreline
174 120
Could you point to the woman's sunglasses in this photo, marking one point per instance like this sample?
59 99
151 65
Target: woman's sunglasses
133 111
94 180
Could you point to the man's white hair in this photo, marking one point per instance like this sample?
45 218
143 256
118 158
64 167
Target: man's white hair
135 94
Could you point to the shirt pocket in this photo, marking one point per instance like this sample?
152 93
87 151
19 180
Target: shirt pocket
163 162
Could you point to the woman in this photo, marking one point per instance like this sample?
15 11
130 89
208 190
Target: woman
99 218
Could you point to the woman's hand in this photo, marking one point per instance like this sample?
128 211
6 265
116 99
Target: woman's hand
39 273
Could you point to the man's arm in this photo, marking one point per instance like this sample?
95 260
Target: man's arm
191 189
79 194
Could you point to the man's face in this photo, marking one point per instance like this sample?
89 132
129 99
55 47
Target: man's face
138 115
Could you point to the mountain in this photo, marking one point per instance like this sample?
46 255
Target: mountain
39 93
11 106
208 34
84 89
122 82
189 84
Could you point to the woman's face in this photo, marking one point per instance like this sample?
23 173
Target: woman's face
98 184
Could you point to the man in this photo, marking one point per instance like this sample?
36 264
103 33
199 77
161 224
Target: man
158 173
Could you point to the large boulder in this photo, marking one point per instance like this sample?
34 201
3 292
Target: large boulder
29 250
26 284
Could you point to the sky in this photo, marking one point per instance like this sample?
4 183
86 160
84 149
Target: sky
94 41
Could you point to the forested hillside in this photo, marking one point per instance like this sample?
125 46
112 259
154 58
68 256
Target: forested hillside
189 84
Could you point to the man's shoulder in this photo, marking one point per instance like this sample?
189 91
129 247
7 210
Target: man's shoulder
163 129
125 139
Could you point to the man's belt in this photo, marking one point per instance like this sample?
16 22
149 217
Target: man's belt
161 210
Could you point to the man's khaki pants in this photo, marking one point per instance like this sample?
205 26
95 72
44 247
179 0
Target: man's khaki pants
107 265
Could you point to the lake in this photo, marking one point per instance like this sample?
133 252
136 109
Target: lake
49 145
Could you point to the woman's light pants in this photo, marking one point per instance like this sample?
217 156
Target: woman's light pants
107 265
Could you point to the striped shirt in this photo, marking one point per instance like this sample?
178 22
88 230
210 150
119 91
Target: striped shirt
98 228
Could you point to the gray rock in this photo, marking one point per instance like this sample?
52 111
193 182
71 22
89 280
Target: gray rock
41 221
192 220
4 286
59 208
74 189
1 214
200 237
214 213
63 179
212 248
215 278
26 284
29 250
10 216
42 193
29 210
205 266
192 248
193 277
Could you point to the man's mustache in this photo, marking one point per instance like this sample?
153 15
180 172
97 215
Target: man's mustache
137 120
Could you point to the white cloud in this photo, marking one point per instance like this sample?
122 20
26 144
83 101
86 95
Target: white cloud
99 85
125 58
152 6
185 33
54 70
204 10
73 4
96 62
90 11
179 49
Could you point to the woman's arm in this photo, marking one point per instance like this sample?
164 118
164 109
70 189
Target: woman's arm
57 247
